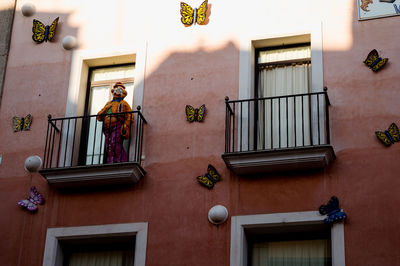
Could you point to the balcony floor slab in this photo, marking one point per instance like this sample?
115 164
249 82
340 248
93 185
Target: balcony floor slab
279 160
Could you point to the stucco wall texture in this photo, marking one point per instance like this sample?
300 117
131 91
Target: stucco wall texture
200 65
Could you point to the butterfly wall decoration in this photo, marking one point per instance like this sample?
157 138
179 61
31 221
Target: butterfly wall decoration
390 136
195 114
22 123
332 210
190 16
43 33
210 178
34 199
374 62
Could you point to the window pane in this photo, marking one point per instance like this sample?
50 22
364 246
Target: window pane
129 97
292 253
95 145
100 95
284 122
110 73
103 258
270 56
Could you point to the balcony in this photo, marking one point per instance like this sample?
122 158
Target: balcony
278 134
75 152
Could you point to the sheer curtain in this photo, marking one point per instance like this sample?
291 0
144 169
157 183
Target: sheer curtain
283 122
292 253
104 258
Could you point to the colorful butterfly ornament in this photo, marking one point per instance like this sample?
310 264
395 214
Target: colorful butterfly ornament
333 211
22 123
32 201
192 16
374 62
195 114
210 178
390 136
44 33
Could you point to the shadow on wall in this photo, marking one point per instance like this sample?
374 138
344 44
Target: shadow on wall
6 20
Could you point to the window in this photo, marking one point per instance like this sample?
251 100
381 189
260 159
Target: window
101 81
280 123
280 237
283 121
114 244
289 245
99 251
74 153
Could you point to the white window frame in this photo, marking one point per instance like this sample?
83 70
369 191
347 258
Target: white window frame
82 60
238 256
247 63
53 254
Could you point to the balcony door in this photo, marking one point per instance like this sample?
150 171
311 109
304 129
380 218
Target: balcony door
283 121
101 81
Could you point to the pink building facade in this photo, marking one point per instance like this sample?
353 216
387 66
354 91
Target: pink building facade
279 158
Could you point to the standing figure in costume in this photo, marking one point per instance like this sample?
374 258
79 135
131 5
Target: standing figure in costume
116 126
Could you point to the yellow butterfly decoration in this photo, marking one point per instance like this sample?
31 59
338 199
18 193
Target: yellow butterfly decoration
374 62
210 178
195 114
192 16
389 136
22 123
44 33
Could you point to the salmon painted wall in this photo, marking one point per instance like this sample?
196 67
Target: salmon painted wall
200 65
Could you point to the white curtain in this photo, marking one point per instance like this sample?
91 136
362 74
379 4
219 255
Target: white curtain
104 258
284 122
292 253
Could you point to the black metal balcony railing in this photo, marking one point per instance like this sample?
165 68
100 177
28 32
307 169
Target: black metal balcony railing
277 122
81 140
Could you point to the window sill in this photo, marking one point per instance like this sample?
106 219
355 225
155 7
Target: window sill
279 160
94 175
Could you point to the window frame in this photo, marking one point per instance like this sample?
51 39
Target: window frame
238 248
109 83
247 64
85 126
53 254
256 75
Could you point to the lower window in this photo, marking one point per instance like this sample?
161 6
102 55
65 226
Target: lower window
280 239
97 245
294 246
99 251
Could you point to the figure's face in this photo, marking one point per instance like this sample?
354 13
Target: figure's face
118 92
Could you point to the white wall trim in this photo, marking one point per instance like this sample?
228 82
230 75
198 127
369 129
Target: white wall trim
238 253
53 252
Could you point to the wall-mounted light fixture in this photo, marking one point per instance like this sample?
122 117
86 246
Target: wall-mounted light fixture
28 9
217 214
69 42
33 163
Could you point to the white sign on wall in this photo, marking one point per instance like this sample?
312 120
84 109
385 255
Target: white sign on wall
369 9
